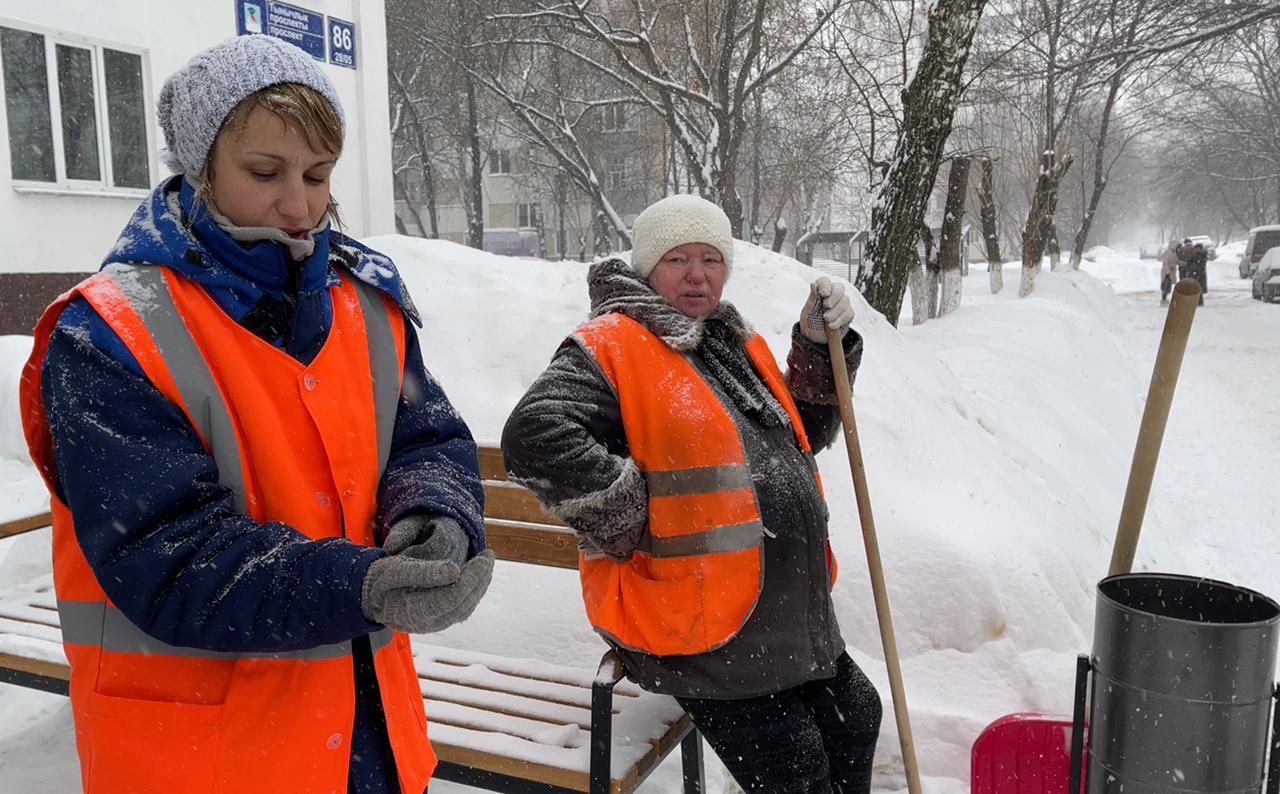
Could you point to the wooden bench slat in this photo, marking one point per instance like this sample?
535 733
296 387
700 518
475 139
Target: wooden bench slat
457 745
492 466
532 543
658 750
546 734
516 503
482 677
501 702
35 666
19 525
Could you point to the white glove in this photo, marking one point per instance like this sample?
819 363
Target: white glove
827 307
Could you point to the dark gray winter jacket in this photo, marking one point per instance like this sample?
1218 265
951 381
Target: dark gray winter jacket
565 440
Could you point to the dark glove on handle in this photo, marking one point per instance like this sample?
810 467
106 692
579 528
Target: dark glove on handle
420 596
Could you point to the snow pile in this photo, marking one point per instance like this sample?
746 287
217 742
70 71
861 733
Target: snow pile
997 442
1099 252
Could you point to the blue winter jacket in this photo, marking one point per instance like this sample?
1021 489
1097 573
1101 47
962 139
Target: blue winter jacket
128 458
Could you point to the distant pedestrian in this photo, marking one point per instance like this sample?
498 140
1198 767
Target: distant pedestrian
1168 269
1196 265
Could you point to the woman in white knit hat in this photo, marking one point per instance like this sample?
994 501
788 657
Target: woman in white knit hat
220 418
665 435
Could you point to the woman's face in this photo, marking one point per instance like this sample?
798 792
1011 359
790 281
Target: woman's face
691 278
263 173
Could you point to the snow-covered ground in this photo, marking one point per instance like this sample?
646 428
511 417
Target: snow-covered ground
997 442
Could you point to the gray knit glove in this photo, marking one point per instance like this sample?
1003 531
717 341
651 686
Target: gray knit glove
428 537
420 596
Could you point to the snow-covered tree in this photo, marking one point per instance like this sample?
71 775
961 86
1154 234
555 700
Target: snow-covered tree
697 66
929 105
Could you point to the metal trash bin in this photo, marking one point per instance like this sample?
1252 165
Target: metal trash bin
1183 685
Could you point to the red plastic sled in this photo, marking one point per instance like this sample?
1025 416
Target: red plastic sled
1023 754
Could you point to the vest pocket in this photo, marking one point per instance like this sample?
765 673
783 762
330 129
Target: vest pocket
150 746
666 615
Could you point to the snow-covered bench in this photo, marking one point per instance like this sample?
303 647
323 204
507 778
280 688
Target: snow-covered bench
496 722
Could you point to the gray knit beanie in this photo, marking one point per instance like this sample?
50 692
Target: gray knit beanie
677 220
196 99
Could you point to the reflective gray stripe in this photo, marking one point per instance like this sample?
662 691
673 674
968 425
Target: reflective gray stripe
732 537
813 462
149 296
381 639
384 367
701 479
94 623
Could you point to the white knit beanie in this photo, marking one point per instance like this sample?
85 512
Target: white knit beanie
196 99
674 221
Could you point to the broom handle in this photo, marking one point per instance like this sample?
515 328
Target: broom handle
878 589
1173 343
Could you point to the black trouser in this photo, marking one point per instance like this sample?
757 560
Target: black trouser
817 738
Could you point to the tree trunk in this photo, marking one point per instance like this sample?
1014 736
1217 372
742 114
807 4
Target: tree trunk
757 168
1099 173
920 282
428 177
929 105
779 235
1051 244
562 239
429 183
397 182
952 233
1039 216
990 229
475 218
921 304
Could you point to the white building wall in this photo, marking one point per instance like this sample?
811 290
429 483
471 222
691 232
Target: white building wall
54 230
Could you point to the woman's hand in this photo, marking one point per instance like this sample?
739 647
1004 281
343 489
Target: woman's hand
827 307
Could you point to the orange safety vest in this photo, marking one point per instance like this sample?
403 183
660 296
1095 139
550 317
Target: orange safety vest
695 579
300 444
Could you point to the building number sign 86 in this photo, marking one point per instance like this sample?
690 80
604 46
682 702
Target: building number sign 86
341 38
342 43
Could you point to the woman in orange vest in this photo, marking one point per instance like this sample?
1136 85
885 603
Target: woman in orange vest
664 433
257 487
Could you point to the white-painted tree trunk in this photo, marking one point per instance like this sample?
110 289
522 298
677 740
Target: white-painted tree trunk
952 285
919 294
1028 283
995 276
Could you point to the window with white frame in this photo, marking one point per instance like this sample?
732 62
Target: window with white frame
499 161
529 216
615 117
76 112
616 173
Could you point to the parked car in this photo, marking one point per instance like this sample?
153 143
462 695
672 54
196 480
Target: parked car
1266 279
512 242
1210 247
1261 240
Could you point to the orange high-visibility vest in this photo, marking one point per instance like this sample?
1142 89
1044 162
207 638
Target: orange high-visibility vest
304 444
697 575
